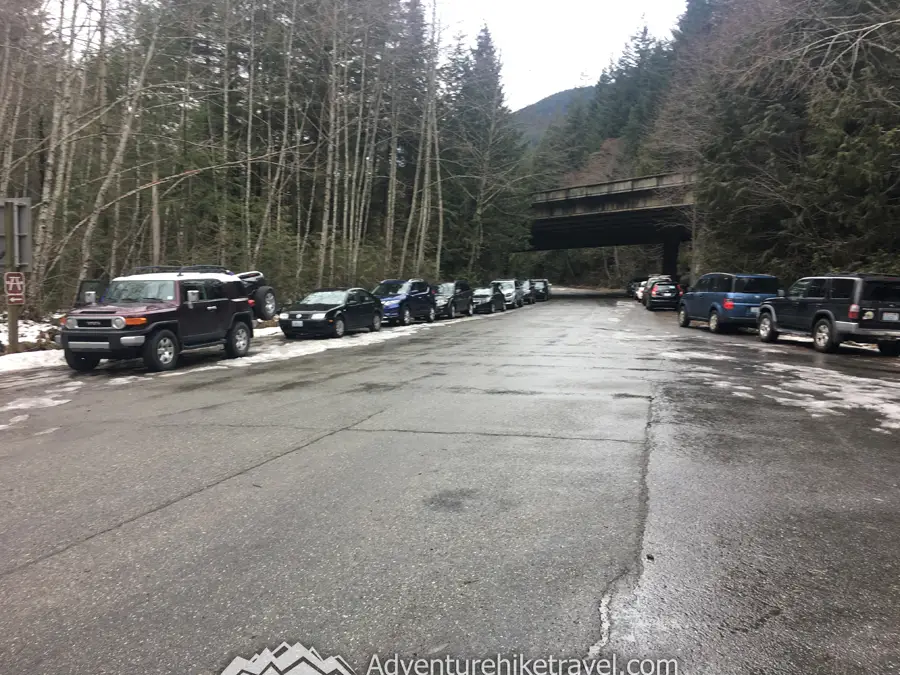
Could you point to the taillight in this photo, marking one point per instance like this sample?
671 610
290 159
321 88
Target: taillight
678 288
653 290
728 304
854 312
252 302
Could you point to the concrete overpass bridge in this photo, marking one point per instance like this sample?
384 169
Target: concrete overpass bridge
646 210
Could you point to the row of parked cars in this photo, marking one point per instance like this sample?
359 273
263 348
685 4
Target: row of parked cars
833 308
333 311
157 313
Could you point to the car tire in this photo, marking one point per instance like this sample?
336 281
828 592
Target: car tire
684 319
405 316
493 308
431 316
375 326
823 336
237 341
503 308
889 347
338 328
765 328
81 363
715 323
451 311
264 303
161 351
471 310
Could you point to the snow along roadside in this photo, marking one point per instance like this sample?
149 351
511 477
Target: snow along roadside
269 348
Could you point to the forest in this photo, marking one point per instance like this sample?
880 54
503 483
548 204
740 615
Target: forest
322 141
790 112
329 142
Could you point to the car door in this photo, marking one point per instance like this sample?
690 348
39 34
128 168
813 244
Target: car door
353 310
198 321
366 308
788 310
811 301
420 296
720 287
695 299
217 305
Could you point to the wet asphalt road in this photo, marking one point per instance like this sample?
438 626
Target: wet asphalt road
573 478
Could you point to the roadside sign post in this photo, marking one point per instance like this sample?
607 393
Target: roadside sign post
14 281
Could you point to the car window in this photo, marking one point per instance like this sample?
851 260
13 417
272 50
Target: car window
419 287
215 290
882 291
798 289
702 284
762 285
446 289
193 286
721 284
842 289
816 288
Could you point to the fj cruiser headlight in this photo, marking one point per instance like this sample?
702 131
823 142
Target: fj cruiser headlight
318 316
71 322
118 323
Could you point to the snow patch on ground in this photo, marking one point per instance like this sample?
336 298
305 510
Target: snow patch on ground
50 358
47 431
688 355
34 402
826 392
29 331
13 421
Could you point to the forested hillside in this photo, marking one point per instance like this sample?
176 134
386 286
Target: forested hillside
535 119
789 109
323 142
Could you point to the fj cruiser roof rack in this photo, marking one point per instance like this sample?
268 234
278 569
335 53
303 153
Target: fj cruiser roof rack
181 269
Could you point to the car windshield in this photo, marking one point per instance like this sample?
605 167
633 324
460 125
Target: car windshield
539 284
506 285
483 291
386 288
756 285
140 290
882 291
324 298
446 289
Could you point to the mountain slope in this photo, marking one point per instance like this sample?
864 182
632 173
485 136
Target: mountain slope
536 118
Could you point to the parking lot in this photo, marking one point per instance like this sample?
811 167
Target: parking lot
579 476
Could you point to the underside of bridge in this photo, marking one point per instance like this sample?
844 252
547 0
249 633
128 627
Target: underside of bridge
648 210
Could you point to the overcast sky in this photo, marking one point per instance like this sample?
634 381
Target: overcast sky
551 45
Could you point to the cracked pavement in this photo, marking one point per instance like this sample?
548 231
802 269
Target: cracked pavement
573 478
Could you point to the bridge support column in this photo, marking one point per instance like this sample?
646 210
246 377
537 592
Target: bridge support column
670 257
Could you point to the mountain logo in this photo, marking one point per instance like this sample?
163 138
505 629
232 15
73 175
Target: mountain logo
288 660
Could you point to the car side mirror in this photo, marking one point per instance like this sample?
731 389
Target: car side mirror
90 297
781 293
192 297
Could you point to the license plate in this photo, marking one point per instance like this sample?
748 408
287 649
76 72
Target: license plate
754 311
297 324
890 316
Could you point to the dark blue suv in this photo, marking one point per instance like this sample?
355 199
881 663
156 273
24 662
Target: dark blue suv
406 300
726 300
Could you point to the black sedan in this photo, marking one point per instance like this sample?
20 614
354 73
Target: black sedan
331 312
489 299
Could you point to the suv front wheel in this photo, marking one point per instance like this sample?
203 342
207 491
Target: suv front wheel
823 336
161 351
766 328
237 342
684 319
